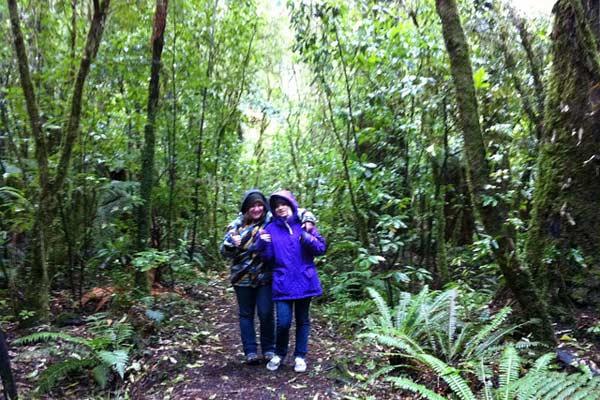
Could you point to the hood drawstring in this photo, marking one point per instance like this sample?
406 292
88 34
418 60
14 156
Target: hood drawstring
289 228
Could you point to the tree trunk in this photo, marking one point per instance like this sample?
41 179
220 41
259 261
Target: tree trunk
517 278
209 70
38 291
8 381
565 225
147 178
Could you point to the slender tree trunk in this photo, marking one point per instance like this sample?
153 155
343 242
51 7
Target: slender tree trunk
532 59
227 122
171 142
38 291
360 223
209 70
517 277
565 223
8 381
147 178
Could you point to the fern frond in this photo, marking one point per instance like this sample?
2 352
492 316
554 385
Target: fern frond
101 373
403 303
458 345
407 384
51 375
43 337
487 331
509 372
381 371
449 374
451 326
543 362
117 359
483 377
401 342
384 310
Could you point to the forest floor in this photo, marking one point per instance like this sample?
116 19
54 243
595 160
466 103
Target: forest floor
195 353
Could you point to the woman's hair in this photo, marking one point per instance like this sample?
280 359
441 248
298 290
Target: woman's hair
248 219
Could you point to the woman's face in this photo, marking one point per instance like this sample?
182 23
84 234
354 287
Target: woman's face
256 211
282 208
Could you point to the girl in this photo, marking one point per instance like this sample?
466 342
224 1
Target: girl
250 279
291 250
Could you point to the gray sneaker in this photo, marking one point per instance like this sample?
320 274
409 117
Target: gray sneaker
274 363
299 364
252 359
268 355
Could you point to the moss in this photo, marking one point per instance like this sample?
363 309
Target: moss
567 190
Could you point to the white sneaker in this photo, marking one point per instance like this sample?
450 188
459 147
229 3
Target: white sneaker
274 363
299 364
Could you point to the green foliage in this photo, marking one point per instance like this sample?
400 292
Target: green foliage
430 330
107 350
427 328
16 212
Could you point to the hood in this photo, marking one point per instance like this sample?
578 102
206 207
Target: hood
254 195
286 195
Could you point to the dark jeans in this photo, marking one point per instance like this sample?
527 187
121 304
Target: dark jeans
257 299
285 308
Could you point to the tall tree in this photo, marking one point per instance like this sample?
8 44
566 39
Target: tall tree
517 277
147 177
199 148
565 224
50 182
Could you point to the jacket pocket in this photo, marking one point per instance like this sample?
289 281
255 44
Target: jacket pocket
310 272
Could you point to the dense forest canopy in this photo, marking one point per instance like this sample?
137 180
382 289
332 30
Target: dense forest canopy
450 150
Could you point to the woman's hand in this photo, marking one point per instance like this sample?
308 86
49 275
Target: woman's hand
265 236
236 239
308 226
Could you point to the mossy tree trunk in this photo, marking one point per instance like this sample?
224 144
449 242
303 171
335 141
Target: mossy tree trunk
517 277
38 290
563 245
147 177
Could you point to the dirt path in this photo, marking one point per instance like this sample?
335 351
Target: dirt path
215 368
195 353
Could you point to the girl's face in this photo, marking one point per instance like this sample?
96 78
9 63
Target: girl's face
282 208
256 211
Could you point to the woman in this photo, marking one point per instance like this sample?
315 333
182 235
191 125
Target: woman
250 277
291 250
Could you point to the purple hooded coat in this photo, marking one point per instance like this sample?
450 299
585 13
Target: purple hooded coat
291 252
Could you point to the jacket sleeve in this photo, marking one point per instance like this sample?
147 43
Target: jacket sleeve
307 216
228 248
263 249
313 242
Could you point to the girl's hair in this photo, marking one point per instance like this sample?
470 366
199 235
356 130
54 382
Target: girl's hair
248 220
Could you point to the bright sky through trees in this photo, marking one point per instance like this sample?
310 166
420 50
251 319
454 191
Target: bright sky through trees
534 7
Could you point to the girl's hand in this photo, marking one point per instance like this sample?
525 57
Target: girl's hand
265 236
308 226
236 239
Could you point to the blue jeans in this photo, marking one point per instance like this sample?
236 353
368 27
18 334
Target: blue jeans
284 322
251 300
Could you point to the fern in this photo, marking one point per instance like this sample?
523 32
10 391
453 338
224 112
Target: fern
101 374
407 384
449 374
105 351
401 342
543 362
51 375
116 359
472 346
44 337
509 372
384 310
